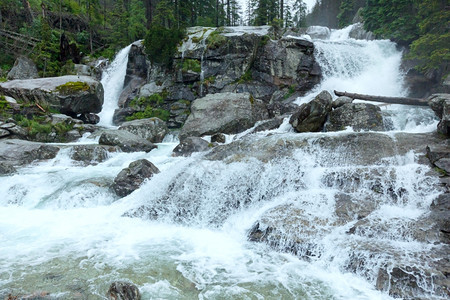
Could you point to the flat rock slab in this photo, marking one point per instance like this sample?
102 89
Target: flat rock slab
19 152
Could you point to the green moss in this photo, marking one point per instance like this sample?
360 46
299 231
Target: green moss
215 40
264 40
209 80
252 100
441 172
191 65
197 39
187 102
150 112
291 91
246 77
72 86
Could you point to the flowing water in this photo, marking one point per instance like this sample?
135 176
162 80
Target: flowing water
112 81
64 232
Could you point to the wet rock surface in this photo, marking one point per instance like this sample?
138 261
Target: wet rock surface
131 178
152 129
19 152
311 116
123 291
126 141
190 145
92 154
359 116
440 104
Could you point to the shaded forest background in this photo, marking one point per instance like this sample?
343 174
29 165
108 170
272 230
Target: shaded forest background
101 27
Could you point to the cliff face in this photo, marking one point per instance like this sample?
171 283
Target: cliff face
210 61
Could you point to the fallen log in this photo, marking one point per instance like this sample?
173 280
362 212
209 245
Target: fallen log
392 100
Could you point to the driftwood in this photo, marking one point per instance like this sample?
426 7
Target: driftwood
392 100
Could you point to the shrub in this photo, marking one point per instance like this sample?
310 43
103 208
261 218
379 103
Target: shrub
161 44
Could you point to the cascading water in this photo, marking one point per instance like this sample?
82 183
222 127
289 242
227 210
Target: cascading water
367 67
64 232
112 81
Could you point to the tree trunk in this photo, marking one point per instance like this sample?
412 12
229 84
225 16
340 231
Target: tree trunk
217 13
281 9
148 12
28 13
228 13
392 100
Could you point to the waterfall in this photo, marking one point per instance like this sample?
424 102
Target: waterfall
185 233
367 67
112 81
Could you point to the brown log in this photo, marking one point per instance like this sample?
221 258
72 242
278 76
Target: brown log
392 100
40 107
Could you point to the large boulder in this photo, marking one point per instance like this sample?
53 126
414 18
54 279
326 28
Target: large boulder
24 68
440 104
223 113
131 178
152 129
359 116
70 94
288 62
310 117
126 141
190 145
19 152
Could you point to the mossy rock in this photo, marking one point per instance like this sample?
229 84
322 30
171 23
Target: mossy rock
72 87
215 40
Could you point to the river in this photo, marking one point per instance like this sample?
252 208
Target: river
62 230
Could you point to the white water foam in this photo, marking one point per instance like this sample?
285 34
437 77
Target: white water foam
112 81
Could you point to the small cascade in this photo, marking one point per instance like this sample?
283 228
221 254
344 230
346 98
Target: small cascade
112 81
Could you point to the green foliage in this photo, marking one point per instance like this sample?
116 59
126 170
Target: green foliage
152 100
246 77
423 25
264 40
39 124
215 40
4 107
137 20
394 19
347 11
191 65
150 112
161 44
33 126
432 48
291 90
72 87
